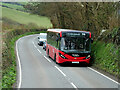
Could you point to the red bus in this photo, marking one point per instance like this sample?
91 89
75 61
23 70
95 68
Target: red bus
65 45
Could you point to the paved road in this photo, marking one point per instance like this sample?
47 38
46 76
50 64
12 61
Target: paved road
38 71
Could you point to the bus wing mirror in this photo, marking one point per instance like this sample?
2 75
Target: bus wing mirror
38 37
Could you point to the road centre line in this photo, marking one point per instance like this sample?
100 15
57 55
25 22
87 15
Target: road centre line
73 85
39 51
47 58
60 71
55 66
103 75
36 47
34 44
65 76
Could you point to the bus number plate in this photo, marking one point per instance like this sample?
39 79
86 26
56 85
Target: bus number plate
75 62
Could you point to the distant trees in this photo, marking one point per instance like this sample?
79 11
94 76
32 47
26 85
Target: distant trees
90 16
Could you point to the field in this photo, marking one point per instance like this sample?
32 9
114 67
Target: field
26 18
13 6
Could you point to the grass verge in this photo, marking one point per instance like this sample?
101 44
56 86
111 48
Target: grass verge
106 57
9 74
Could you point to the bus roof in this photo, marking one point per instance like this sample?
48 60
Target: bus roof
63 30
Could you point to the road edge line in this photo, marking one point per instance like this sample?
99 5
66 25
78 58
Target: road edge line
19 64
103 75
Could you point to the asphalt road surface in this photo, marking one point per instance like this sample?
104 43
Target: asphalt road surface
36 70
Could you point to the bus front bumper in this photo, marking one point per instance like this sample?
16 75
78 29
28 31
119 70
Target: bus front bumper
61 60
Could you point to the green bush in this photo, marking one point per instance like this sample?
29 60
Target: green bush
106 57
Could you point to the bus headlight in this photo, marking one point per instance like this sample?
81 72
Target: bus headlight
62 56
88 57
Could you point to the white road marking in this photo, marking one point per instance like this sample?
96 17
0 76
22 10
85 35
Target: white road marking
36 47
20 77
60 71
73 85
34 44
94 71
47 58
19 64
55 66
39 51
88 67
104 75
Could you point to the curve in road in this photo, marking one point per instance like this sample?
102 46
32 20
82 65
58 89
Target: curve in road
36 70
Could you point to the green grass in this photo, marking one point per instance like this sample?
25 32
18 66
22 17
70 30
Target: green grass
26 18
23 3
13 6
9 75
106 57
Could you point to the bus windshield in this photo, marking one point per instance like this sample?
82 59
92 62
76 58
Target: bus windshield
75 43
